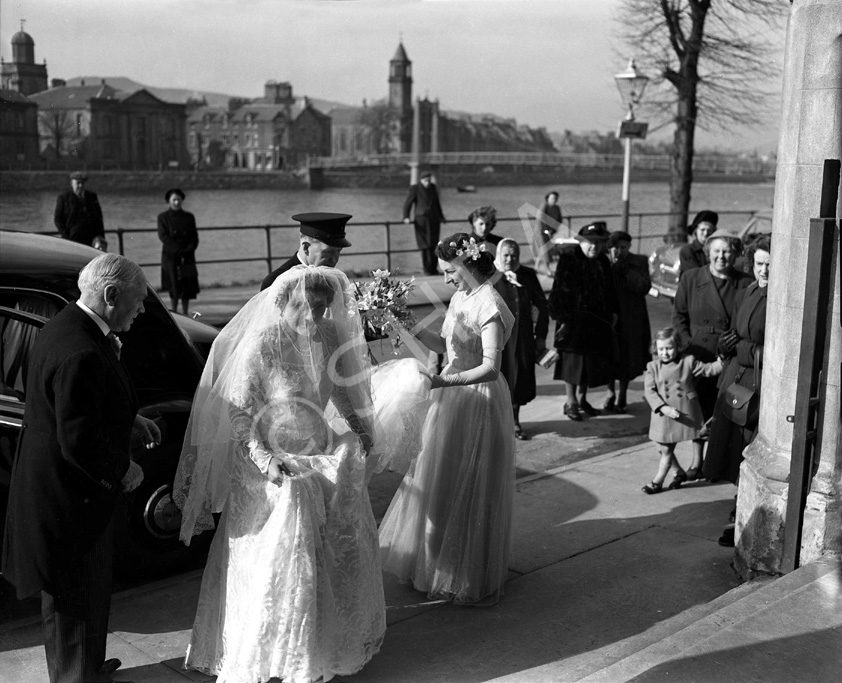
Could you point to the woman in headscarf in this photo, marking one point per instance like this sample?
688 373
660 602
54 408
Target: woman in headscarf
177 231
277 444
532 324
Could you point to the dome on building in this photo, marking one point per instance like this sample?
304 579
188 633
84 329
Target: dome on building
22 38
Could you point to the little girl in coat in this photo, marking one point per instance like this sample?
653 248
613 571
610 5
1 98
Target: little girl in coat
676 412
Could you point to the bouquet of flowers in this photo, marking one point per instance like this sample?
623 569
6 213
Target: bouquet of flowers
382 306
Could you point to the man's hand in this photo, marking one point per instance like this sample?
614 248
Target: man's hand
147 430
406 220
132 478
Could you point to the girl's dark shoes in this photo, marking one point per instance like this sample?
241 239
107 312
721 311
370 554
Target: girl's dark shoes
677 481
571 410
652 487
610 405
520 434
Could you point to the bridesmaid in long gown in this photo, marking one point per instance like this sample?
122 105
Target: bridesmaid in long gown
448 527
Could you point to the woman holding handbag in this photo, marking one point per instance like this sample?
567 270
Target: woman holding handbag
177 231
735 413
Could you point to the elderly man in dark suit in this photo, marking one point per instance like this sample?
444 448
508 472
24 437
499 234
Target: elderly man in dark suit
72 463
78 215
321 240
428 219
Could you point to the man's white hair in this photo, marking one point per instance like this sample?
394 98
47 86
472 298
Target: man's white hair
110 269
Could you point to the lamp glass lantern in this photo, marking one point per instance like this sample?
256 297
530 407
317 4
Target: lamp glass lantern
631 83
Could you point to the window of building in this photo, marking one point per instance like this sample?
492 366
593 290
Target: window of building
18 120
192 139
78 124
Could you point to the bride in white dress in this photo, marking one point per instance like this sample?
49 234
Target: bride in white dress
448 527
292 588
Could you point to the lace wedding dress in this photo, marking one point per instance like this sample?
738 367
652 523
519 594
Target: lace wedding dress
292 588
448 526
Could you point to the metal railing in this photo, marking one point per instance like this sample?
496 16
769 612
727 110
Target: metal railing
643 239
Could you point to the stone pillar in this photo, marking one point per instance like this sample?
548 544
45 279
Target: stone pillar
811 131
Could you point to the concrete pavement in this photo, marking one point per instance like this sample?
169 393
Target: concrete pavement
606 584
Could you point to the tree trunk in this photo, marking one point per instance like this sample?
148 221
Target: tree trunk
681 163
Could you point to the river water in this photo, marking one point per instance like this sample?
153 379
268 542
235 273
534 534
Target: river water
33 212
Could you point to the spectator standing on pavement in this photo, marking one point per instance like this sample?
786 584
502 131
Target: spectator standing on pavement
676 413
320 241
78 215
693 254
703 309
428 219
73 461
482 222
177 231
584 305
632 283
531 325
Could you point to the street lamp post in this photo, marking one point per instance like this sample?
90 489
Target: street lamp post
631 84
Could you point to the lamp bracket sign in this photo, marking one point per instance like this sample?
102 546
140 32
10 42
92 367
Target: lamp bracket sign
633 129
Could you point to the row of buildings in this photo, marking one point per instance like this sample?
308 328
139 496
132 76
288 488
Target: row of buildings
100 125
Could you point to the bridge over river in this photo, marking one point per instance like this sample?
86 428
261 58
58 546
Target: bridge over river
753 168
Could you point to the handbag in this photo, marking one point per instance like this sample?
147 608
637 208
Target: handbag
187 270
741 404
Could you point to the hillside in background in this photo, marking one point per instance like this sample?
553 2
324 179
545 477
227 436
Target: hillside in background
181 95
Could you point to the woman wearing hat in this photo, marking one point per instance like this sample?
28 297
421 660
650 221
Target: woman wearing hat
584 305
177 231
692 254
632 283
703 310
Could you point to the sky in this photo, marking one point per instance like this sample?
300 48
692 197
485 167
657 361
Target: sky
546 63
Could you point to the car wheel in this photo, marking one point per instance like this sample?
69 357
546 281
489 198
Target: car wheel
147 524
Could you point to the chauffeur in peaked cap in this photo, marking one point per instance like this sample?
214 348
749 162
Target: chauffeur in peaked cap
321 239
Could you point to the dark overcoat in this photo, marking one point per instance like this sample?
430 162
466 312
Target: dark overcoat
532 324
73 451
583 299
632 283
275 274
177 231
428 214
79 219
691 255
729 440
701 314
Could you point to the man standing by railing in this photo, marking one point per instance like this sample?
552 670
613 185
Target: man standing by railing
78 215
428 219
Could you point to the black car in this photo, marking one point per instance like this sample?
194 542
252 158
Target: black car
163 353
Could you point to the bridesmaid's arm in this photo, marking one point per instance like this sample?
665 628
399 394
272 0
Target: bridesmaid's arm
489 369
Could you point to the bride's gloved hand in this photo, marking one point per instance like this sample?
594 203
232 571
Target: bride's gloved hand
436 381
367 442
278 470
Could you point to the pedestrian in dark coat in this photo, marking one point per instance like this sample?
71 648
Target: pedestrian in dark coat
428 219
632 283
78 215
742 346
584 305
72 462
531 324
693 255
177 230
703 310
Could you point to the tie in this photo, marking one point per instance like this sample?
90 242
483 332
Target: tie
116 344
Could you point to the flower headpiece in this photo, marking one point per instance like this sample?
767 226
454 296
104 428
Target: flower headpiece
469 249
